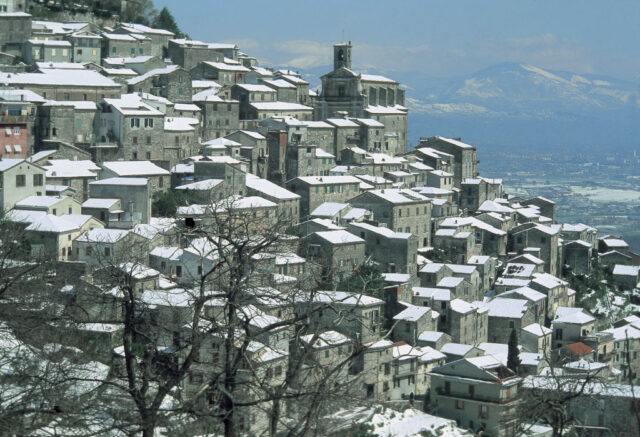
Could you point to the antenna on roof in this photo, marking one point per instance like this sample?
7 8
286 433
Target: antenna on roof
342 35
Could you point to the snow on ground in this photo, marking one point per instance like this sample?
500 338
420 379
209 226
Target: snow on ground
387 422
412 422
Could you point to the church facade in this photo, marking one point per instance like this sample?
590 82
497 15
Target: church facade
347 93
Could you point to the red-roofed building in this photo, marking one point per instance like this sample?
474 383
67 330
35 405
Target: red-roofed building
578 351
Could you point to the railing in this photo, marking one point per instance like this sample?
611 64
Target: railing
474 397
13 119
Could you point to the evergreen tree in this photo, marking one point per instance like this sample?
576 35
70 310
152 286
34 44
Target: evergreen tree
513 354
164 20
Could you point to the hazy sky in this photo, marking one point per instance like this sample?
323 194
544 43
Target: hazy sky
439 38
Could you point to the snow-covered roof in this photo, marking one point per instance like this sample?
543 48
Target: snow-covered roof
39 202
329 180
339 237
65 168
548 281
328 209
456 143
537 329
458 349
433 293
412 313
120 181
528 293
227 67
449 281
280 106
376 78
326 339
52 223
623 270
507 308
268 188
460 306
134 168
572 315
59 77
343 297
205 185
180 124
398 196
103 235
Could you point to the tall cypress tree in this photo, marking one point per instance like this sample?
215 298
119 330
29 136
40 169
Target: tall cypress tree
165 20
513 354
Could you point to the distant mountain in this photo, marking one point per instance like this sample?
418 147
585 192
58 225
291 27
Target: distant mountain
519 105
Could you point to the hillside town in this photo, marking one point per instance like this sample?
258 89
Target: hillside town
193 243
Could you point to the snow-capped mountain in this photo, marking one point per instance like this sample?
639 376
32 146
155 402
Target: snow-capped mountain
520 105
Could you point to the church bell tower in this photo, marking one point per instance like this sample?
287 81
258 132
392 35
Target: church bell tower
342 55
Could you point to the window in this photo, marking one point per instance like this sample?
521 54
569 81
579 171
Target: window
148 140
21 180
16 130
512 324
38 180
178 271
459 404
161 182
107 251
326 353
134 140
483 412
559 334
447 387
87 251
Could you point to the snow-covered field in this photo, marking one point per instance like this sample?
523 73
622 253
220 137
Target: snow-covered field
597 194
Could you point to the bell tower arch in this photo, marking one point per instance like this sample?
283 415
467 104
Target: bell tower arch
342 55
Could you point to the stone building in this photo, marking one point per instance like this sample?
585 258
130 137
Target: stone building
250 93
181 135
158 179
475 191
159 37
288 202
220 117
222 72
286 91
71 122
15 30
17 125
57 84
133 129
395 252
539 236
365 96
338 252
365 314
480 393
134 195
465 161
87 47
315 190
505 315
122 44
171 82
47 51
401 210
19 179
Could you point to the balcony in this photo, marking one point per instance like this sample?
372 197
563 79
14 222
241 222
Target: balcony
14 119
476 397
